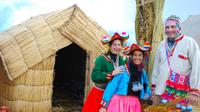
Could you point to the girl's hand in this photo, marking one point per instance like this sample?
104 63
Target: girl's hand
118 71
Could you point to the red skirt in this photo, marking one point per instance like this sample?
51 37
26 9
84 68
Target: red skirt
93 101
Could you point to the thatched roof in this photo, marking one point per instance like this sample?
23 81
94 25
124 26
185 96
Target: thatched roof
191 27
32 41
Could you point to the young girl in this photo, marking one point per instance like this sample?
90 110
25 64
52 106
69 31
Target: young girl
138 83
106 66
123 92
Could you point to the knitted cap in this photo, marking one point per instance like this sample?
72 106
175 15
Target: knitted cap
175 18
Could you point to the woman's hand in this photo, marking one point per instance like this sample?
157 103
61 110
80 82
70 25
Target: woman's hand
102 109
118 70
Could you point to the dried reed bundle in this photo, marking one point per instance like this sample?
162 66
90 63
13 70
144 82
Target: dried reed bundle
158 32
149 26
168 107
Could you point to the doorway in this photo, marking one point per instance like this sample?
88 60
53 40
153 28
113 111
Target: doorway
69 78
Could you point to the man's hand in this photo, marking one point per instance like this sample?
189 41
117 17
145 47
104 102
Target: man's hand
193 99
102 109
153 97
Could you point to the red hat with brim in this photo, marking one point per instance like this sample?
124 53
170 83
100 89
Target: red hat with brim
137 47
106 39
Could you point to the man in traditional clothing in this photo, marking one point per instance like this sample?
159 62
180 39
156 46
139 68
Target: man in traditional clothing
176 71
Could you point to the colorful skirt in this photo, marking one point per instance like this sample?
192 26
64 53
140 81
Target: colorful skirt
177 86
93 101
121 103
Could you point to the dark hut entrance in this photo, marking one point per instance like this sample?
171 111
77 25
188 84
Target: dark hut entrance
69 80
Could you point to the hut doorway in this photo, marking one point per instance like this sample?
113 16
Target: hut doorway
69 79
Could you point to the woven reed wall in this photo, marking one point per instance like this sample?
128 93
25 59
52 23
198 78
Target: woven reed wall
32 91
89 66
144 20
158 32
84 32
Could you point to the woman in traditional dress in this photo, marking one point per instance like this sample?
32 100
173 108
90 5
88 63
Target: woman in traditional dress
106 66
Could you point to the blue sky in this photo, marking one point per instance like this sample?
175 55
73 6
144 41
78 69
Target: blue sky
182 8
118 15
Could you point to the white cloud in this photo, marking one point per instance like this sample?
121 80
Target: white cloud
22 15
39 7
108 13
113 15
44 6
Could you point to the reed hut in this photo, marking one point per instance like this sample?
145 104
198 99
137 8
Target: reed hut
29 51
